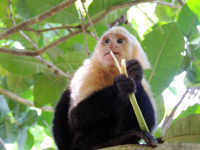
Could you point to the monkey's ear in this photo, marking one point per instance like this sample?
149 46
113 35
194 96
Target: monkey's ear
139 54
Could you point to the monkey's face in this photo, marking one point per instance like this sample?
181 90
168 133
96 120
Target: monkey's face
118 43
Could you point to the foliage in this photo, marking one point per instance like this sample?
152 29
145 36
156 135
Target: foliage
26 127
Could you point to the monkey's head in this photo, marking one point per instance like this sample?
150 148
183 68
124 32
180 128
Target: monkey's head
124 46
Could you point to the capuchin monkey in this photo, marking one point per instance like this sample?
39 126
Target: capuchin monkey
95 111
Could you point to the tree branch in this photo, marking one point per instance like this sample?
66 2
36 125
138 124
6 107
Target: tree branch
169 5
72 34
36 19
171 146
2 144
85 38
168 119
145 15
22 100
83 5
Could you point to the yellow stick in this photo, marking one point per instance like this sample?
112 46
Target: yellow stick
138 113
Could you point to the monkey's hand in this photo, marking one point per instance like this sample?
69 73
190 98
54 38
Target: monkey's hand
134 70
126 85
147 137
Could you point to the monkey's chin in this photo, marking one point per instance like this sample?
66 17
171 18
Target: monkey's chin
109 59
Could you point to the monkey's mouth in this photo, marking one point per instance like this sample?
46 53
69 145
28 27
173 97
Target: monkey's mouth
116 54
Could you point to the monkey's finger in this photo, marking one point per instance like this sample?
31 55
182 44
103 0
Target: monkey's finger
141 135
152 141
160 140
131 63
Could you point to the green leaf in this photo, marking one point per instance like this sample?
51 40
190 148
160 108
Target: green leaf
184 64
21 65
172 90
185 130
18 110
24 10
66 16
161 107
20 83
4 109
113 15
45 119
99 6
189 17
163 47
70 62
158 132
132 31
193 73
48 89
54 52
8 132
29 118
195 109
22 136
29 141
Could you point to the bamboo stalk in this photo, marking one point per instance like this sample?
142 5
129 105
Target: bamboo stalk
136 108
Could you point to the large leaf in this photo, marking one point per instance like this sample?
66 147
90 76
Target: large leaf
70 62
29 141
193 73
161 107
20 83
189 17
24 10
45 119
185 130
18 110
21 65
48 89
66 16
22 136
163 47
54 52
195 109
8 132
29 118
4 109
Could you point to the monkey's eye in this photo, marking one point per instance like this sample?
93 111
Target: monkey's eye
120 41
107 41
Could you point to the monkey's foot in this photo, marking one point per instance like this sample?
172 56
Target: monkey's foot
147 137
160 140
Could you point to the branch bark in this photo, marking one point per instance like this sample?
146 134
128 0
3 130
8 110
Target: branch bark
171 146
22 100
36 19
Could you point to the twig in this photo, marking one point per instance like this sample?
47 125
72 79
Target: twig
53 68
168 120
14 23
181 2
2 144
54 30
36 19
92 34
83 5
169 5
145 15
85 38
22 100
193 59
61 40
17 123
50 29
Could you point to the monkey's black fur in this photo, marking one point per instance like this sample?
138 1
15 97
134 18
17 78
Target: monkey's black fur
105 118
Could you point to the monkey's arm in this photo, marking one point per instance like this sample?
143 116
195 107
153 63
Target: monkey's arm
98 106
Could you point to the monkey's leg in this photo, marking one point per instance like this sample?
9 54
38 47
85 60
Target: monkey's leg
147 137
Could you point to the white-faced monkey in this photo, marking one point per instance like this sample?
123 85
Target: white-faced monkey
95 111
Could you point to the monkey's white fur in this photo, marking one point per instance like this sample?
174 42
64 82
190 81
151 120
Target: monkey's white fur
92 76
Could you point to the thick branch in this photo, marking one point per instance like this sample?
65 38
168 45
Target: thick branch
171 146
168 120
22 100
169 5
36 19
